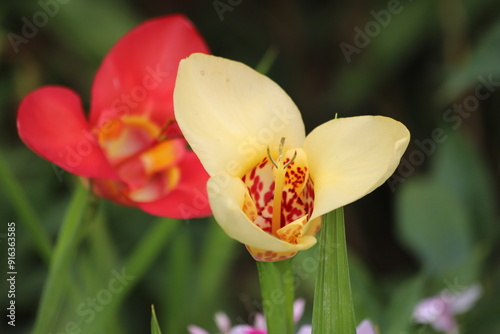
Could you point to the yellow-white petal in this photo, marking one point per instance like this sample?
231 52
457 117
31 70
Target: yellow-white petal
227 195
350 157
230 114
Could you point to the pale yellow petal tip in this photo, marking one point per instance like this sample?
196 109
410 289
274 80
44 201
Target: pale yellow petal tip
402 144
201 60
194 56
193 62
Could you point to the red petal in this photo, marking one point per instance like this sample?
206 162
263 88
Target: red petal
138 74
189 199
51 122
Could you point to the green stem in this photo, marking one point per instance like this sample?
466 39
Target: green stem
277 288
52 297
333 310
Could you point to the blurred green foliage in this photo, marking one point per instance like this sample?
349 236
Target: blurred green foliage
436 223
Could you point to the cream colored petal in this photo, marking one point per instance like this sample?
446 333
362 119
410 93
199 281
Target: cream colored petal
226 195
312 227
350 157
230 113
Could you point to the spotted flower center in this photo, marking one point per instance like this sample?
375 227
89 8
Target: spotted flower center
145 156
280 194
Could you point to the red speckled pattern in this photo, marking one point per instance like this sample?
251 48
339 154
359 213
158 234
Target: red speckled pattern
296 204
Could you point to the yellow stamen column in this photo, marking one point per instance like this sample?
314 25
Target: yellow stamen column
279 180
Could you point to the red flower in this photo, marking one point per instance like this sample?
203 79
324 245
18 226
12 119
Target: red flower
129 146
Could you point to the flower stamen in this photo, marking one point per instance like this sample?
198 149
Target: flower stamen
291 160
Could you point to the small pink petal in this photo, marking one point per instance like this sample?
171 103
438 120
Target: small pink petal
298 309
260 322
466 299
192 329
222 321
429 310
244 329
445 323
365 327
306 329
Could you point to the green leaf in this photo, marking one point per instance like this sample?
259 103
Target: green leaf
179 301
216 257
53 292
96 261
364 292
141 259
71 25
386 53
433 224
394 47
101 246
484 315
144 254
483 62
333 310
150 245
155 327
459 167
276 284
404 298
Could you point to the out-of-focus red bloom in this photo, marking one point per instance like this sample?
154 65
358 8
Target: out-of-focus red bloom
129 146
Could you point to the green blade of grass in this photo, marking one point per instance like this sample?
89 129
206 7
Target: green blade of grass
149 247
155 327
333 310
276 285
100 242
143 256
267 60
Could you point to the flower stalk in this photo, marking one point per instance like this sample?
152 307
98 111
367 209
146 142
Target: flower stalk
277 288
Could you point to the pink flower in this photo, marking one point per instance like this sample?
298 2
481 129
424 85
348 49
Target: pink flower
439 310
259 327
